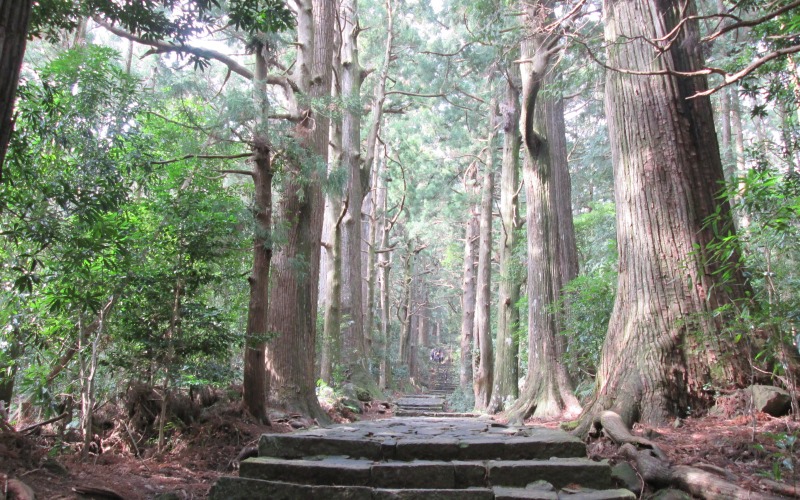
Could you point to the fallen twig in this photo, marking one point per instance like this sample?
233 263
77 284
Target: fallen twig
40 424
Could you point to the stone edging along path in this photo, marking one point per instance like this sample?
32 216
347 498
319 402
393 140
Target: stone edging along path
421 458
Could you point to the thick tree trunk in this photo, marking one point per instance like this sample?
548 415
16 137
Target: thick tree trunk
356 340
468 291
256 383
548 390
664 346
506 364
484 377
14 16
293 309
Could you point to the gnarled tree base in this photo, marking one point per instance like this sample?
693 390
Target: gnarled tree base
707 482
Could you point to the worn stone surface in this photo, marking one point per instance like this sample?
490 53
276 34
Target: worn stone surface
427 494
505 493
424 458
559 472
619 494
298 445
625 476
328 471
419 474
470 474
236 488
426 438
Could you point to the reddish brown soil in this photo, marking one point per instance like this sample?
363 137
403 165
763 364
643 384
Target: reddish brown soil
746 447
196 458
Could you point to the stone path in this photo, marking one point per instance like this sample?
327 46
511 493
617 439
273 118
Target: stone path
421 458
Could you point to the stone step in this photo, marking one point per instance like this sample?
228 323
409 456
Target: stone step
536 493
234 488
429 474
237 488
425 438
438 414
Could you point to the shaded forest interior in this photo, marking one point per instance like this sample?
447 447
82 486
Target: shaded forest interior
294 210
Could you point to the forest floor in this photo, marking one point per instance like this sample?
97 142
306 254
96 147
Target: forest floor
750 448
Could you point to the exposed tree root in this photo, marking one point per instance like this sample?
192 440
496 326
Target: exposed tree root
787 490
695 481
615 428
708 482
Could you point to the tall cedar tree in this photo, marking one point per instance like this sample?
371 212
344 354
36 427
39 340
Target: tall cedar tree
664 346
293 306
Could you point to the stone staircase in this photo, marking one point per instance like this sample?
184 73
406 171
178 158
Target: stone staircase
420 405
443 380
421 458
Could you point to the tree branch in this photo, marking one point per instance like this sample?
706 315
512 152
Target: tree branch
413 94
160 46
203 157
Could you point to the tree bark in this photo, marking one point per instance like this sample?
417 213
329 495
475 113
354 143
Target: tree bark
484 377
372 166
357 341
256 383
292 311
665 346
506 364
548 390
384 267
332 318
14 17
468 289
404 352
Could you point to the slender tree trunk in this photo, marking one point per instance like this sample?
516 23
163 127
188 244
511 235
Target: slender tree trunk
332 320
256 382
331 258
506 364
728 163
404 354
384 267
372 274
665 346
423 325
562 186
468 290
88 371
14 16
484 377
8 371
293 311
172 338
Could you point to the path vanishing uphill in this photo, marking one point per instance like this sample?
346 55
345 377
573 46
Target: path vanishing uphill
421 457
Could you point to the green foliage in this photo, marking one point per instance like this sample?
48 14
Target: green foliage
588 301
90 225
461 400
766 249
589 298
782 455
